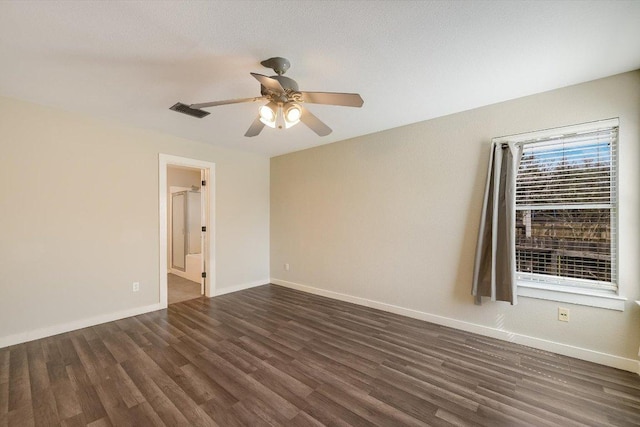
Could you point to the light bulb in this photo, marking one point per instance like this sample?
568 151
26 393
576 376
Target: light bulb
267 116
292 114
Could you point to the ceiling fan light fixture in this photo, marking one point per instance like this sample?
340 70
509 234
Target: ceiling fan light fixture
284 107
268 115
292 114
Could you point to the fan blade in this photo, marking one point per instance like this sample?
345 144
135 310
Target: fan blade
228 101
272 84
255 128
333 98
185 109
314 123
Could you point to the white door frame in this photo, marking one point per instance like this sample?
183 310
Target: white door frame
208 250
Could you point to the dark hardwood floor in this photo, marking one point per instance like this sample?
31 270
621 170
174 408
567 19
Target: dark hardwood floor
274 356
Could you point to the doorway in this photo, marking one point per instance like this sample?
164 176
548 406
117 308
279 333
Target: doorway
186 194
185 235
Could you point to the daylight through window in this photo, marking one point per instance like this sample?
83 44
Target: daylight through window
566 200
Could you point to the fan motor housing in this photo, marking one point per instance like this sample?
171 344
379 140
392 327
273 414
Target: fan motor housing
278 64
286 83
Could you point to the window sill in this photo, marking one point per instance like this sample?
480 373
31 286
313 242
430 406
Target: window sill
609 301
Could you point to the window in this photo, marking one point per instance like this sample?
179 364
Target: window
566 213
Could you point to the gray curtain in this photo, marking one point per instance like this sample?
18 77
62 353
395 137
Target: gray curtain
494 274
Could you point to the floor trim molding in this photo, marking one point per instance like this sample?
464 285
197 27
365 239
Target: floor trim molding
606 359
240 287
49 331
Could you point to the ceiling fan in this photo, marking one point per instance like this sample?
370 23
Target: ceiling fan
284 107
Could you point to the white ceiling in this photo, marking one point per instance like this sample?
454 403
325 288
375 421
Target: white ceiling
410 60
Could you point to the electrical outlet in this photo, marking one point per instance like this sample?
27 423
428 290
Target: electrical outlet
136 286
286 267
563 314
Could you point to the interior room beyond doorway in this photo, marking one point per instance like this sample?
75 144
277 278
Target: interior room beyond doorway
184 246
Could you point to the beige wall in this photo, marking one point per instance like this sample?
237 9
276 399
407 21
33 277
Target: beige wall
79 217
182 177
393 217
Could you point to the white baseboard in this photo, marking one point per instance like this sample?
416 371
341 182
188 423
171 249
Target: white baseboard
182 274
631 365
109 317
240 287
178 273
72 326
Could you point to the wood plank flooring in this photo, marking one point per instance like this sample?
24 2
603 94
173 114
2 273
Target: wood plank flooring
274 356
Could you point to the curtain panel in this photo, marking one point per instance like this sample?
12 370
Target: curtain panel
494 274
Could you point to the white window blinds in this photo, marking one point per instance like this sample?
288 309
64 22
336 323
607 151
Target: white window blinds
566 201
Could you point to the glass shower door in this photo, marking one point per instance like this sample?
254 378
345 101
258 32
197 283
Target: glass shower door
178 237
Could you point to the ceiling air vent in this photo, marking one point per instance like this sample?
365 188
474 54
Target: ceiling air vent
185 109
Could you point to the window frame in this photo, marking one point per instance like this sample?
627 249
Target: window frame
608 299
